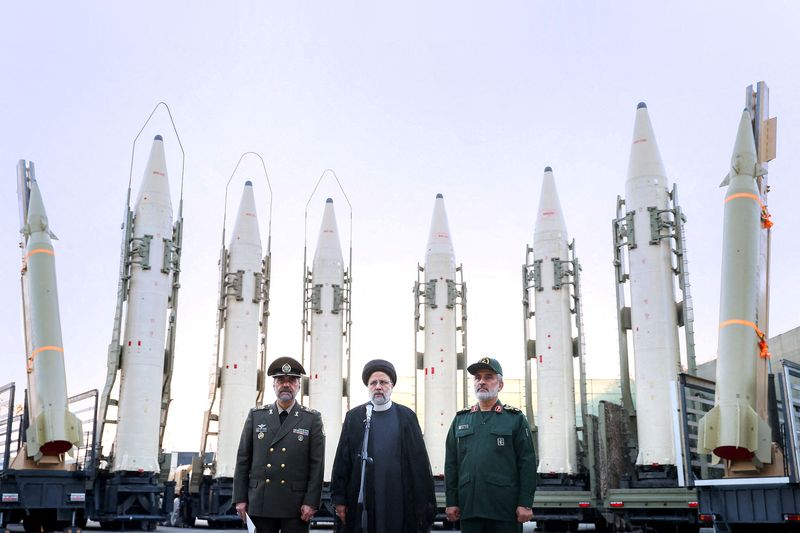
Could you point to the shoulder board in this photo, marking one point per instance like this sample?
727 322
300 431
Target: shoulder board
464 410
511 408
309 410
265 406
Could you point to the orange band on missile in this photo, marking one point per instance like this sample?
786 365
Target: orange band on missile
42 349
39 251
763 347
766 223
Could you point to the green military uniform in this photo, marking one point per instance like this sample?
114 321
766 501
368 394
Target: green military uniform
490 467
279 467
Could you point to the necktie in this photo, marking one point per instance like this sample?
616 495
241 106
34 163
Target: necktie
283 416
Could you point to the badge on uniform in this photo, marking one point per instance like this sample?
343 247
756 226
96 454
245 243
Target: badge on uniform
501 441
261 427
463 426
260 435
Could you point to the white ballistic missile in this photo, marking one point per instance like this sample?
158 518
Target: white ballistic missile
241 339
143 350
52 428
555 386
654 321
732 429
439 359
326 326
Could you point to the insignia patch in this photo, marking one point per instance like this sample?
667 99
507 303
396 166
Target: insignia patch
474 408
260 436
286 367
485 360
297 413
498 408
501 441
300 437
463 426
300 431
261 427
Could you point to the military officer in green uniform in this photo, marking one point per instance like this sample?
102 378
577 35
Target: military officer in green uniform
279 466
490 465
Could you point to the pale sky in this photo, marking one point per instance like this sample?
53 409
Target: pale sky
403 100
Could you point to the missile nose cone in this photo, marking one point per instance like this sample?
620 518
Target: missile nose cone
158 138
155 184
248 183
549 217
641 105
37 216
744 157
645 158
439 240
328 244
548 169
246 227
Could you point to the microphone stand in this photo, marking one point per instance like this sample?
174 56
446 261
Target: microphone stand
365 459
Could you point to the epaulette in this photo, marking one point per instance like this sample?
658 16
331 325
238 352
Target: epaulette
464 410
511 408
309 410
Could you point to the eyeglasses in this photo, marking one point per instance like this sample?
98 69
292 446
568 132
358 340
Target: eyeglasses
381 382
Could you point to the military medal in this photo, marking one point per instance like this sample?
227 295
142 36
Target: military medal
300 437
260 435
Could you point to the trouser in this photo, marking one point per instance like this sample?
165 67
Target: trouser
283 525
484 525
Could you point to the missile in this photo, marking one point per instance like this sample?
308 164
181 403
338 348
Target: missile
52 429
327 326
143 349
732 429
241 338
439 357
555 389
654 321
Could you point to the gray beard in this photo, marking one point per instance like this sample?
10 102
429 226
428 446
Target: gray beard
486 395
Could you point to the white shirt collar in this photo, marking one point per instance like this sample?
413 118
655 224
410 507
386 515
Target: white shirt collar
384 407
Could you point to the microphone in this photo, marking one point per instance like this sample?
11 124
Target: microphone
369 411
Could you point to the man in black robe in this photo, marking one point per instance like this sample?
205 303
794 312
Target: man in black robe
399 496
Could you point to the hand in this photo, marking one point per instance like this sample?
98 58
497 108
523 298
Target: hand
341 512
241 510
453 513
524 514
306 512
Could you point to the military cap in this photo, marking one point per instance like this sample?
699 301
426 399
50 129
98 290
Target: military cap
486 363
379 365
285 366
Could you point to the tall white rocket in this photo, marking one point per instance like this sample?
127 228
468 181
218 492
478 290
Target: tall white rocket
555 385
241 338
654 321
733 429
325 390
143 349
52 428
439 359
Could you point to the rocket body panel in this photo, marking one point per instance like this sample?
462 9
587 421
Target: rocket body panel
733 429
654 322
241 340
327 340
557 446
439 359
143 349
53 429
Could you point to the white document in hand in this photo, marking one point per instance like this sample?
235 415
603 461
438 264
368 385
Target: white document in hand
251 527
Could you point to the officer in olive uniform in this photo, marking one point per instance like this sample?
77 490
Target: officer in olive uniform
490 465
279 467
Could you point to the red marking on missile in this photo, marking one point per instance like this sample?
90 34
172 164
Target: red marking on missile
235 365
548 213
642 140
157 173
433 370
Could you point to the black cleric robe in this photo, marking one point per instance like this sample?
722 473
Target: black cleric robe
415 483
